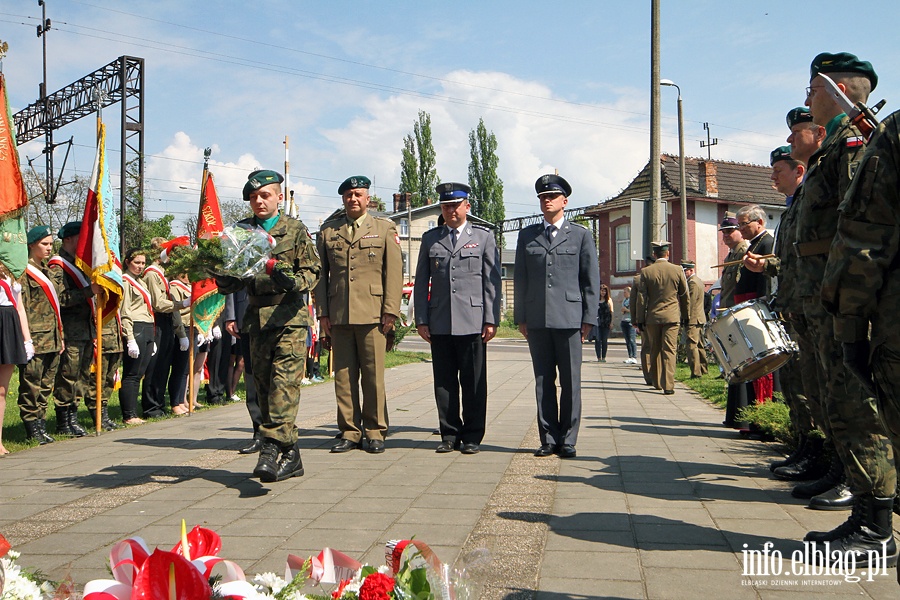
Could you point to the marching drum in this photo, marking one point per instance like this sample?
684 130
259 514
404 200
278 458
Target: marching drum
748 341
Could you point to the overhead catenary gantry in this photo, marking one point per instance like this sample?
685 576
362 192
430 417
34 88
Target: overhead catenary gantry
121 81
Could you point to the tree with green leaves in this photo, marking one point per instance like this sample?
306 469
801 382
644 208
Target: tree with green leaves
487 187
418 173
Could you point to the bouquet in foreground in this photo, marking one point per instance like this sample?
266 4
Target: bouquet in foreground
240 251
192 570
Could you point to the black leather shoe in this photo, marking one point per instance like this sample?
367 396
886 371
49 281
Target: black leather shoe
470 448
267 465
567 451
253 447
668 392
545 450
837 498
290 464
345 446
444 447
375 447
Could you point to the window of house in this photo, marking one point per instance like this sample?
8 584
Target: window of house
404 227
623 249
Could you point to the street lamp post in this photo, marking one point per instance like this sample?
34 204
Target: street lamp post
681 159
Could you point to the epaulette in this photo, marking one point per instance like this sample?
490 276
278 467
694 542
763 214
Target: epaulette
534 226
481 227
578 224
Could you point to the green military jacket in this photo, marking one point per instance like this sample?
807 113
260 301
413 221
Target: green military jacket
828 177
362 271
268 306
42 321
75 304
784 265
862 276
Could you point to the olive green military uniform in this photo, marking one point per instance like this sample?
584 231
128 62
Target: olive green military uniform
77 314
277 322
730 275
663 306
862 277
362 279
696 353
37 376
112 360
855 426
801 394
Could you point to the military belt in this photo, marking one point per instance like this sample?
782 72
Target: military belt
814 248
273 300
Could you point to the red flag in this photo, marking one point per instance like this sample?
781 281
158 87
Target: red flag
206 302
12 189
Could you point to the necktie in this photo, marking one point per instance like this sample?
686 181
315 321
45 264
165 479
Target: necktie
453 238
550 231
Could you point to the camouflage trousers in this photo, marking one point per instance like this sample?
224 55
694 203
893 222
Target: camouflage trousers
73 373
886 369
855 423
794 387
36 385
279 359
110 367
696 353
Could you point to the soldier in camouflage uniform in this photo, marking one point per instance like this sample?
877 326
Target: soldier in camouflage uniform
41 300
76 295
111 361
856 428
277 319
862 278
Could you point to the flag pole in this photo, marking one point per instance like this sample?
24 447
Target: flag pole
191 383
98 312
287 177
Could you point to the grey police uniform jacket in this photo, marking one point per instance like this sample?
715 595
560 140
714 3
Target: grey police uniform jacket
465 281
556 283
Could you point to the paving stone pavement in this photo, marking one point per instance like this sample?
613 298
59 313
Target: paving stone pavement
661 502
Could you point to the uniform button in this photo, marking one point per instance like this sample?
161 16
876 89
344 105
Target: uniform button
351 279
454 291
549 285
452 268
453 279
351 268
549 264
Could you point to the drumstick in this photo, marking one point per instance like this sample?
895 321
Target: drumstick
731 263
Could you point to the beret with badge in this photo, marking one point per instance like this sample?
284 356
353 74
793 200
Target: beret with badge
36 234
798 115
780 153
842 62
258 179
69 229
452 192
355 182
552 184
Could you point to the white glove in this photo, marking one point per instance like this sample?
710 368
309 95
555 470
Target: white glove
216 333
201 339
183 344
133 350
29 350
154 350
209 338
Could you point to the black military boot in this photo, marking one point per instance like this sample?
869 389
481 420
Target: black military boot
105 422
62 421
42 436
72 418
869 542
32 431
290 464
254 446
796 455
267 465
837 498
833 477
851 524
810 466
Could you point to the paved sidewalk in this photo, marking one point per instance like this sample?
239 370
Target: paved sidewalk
659 503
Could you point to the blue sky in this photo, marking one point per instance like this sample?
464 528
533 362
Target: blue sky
563 85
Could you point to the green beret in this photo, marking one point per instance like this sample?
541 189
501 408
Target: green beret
688 265
36 234
842 62
352 183
780 153
258 179
797 115
69 229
